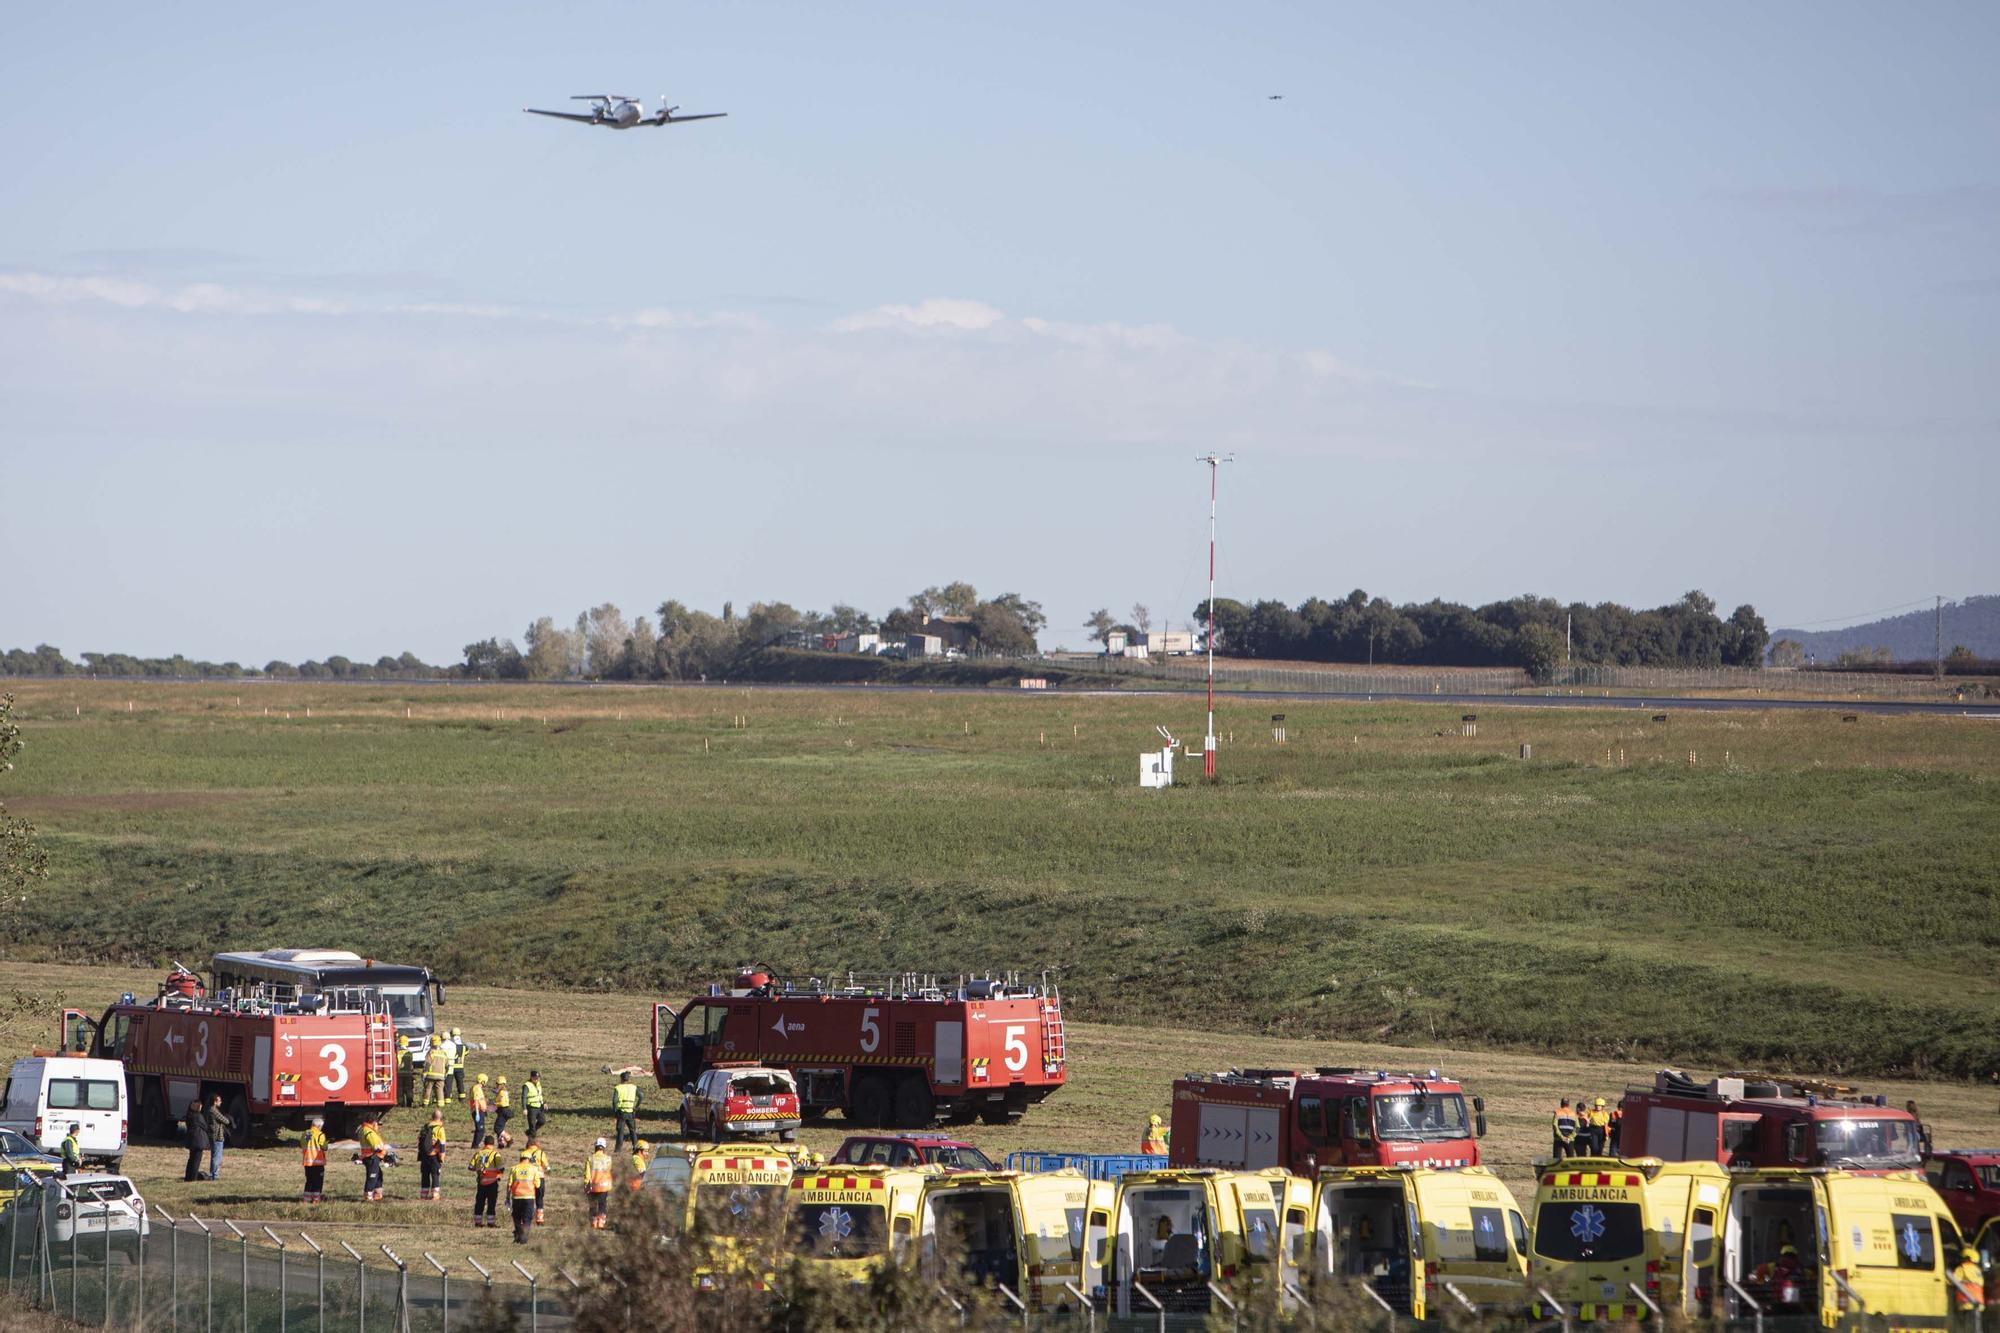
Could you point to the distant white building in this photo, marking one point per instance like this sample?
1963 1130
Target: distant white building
859 643
923 645
1114 643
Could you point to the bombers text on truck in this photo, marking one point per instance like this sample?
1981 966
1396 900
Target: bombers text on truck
906 1051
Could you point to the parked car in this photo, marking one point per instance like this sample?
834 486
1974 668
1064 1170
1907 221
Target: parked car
741 1099
18 1147
46 1094
1968 1179
97 1204
24 1173
910 1150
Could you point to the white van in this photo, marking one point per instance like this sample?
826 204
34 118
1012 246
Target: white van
46 1094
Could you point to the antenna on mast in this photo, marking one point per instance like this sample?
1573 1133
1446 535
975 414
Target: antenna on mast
1215 462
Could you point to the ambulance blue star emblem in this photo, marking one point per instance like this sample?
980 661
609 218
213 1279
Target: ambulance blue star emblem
1587 1223
836 1224
1913 1243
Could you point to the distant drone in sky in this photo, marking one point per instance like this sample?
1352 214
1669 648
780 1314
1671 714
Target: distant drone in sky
617 111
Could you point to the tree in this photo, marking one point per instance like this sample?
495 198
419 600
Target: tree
22 859
493 659
604 636
1027 612
1746 638
1100 624
953 599
844 620
1142 617
1960 655
548 653
903 620
640 657
1539 649
1788 653
769 623
998 629
1232 623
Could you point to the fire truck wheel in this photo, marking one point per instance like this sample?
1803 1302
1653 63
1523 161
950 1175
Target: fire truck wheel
871 1104
239 1119
915 1108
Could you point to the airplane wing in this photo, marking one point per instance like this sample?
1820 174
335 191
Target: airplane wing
563 115
706 115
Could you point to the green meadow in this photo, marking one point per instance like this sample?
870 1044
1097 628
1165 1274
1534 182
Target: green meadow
1780 890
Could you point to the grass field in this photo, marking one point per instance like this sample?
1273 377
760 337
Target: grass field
1117 1075
1807 893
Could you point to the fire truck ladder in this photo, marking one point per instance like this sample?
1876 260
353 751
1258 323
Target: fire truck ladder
381 1058
1053 1048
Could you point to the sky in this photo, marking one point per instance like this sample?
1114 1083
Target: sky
312 343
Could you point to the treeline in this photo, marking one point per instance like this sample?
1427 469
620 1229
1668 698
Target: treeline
45 660
1525 632
687 644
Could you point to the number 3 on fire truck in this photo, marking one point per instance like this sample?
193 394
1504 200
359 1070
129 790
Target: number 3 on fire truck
335 1077
201 1045
871 1029
1016 1046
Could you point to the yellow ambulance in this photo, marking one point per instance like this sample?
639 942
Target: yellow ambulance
855 1219
1173 1232
727 1196
1024 1230
1606 1225
1839 1244
1407 1231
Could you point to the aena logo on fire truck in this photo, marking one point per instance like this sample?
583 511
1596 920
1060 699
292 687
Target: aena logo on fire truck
781 1027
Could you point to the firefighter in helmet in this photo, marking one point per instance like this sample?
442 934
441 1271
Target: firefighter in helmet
1156 1138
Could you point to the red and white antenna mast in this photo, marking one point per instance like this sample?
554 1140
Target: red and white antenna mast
1215 462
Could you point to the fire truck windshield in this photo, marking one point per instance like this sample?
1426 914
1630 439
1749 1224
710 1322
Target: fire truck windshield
1852 1141
1430 1115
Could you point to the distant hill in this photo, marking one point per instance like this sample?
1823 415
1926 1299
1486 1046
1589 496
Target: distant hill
1912 637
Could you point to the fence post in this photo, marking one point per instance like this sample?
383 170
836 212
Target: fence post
173 1271
1852 1294
1019 1304
244 1241
482 1271
953 1302
280 1243
1756 1309
75 1230
1312 1315
534 1297
207 1273
1659 1319
1562 1311
1084 1300
319 1285
444 1290
1376 1297
360 1290
107 1268
1216 1293
402 1290
1153 1301
1451 1288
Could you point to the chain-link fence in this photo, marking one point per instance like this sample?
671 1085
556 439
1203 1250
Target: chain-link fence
194 1275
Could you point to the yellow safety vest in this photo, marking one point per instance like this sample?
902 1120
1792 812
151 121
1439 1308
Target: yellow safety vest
522 1178
531 1094
486 1162
312 1148
478 1099
437 1064
597 1173
502 1097
626 1098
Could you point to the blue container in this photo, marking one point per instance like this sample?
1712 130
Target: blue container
1098 1166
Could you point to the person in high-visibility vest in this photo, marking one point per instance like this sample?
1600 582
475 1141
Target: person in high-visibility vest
522 1180
312 1155
1154 1140
503 1108
535 1153
370 1154
486 1168
430 1158
625 1101
1565 1127
72 1151
479 1105
1969 1282
534 1101
597 1185
405 1072
437 1068
458 1061
1599 1121
1617 1128
640 1159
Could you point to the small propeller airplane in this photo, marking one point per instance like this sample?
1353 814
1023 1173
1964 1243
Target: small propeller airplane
618 112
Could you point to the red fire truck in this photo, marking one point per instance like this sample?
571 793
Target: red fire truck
906 1051
1752 1120
1251 1118
273 1064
